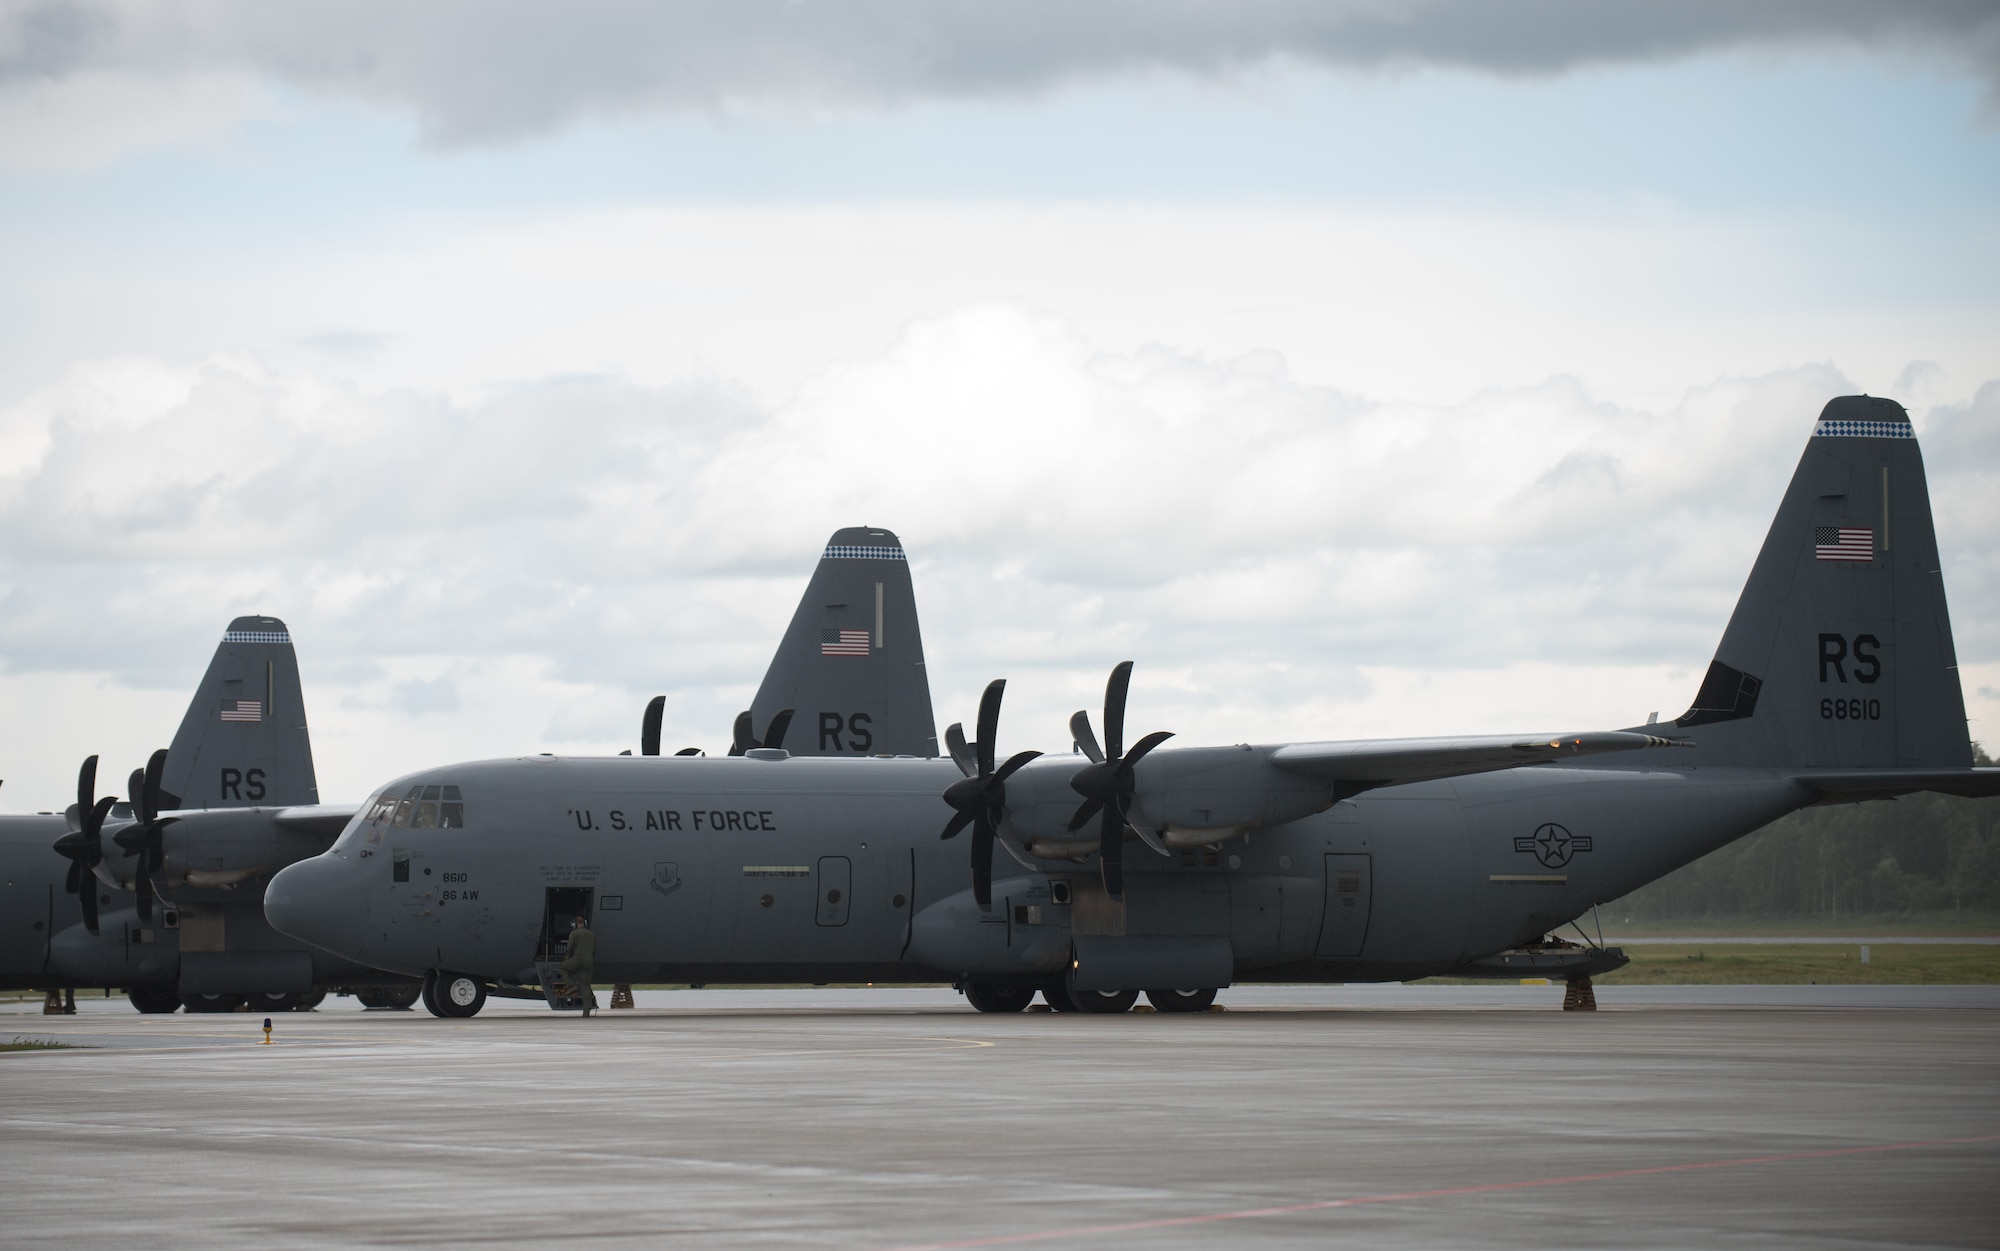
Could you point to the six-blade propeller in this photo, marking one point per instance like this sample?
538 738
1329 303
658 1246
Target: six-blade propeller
142 838
1107 782
774 733
82 844
980 797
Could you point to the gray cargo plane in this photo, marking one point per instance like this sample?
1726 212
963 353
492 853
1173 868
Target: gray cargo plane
231 801
235 799
1178 870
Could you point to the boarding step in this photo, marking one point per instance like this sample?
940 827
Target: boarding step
563 994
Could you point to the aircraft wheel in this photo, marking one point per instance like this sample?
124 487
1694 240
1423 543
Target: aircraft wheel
987 997
429 993
212 1003
154 998
1104 1000
457 994
401 998
282 1001
1056 996
311 1000
1181 1000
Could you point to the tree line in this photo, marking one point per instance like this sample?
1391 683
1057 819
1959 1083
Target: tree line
1918 855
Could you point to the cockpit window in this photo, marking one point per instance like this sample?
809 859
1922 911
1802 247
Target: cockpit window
425 806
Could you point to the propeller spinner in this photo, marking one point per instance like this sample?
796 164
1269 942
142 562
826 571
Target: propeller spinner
980 798
83 845
1106 783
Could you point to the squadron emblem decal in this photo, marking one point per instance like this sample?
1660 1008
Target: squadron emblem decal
1553 845
666 878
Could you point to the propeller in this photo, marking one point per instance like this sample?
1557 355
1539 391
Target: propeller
774 733
980 797
1106 783
649 727
142 838
82 845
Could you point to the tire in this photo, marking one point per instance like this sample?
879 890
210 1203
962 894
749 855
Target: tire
1103 1001
399 998
154 998
429 994
1181 1000
282 1001
1057 997
212 1003
310 1000
457 994
987 997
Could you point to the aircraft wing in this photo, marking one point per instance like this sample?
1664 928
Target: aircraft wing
324 819
1859 784
1368 763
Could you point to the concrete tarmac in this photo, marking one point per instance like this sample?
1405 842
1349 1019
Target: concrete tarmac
1365 1116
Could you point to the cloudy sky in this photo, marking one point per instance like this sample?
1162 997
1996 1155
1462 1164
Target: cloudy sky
1356 368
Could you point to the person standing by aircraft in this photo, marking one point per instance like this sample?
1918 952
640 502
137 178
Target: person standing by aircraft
580 962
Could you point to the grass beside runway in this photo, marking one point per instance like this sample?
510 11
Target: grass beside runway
1781 964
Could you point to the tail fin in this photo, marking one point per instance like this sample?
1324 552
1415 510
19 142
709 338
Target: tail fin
243 742
1839 652
852 661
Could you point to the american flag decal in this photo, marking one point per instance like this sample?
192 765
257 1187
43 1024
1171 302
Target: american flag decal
843 642
1843 543
242 710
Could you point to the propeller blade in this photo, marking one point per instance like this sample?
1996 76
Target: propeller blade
989 723
1114 709
156 767
86 784
1084 812
959 820
1085 738
742 740
1013 765
688 751
1111 851
982 863
649 726
87 898
142 886
72 882
1149 836
774 733
93 824
1144 745
961 752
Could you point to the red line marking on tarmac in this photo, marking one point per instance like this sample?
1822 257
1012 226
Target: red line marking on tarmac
1290 1209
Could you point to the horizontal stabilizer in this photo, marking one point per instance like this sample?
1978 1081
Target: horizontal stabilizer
1859 784
1395 761
327 820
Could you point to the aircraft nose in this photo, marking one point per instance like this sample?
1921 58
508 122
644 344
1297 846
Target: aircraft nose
322 901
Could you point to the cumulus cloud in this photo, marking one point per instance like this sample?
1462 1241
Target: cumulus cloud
480 71
1285 560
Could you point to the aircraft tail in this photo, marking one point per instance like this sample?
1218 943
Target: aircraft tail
243 742
1839 653
852 662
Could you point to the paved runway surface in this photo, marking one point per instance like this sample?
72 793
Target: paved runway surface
1368 1116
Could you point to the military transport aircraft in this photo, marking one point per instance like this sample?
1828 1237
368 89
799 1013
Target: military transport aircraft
1178 870
235 799
231 801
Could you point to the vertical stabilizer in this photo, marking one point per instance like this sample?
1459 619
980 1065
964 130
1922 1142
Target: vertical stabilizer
1839 653
243 742
852 662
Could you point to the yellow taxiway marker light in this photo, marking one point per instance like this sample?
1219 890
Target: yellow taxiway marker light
267 1031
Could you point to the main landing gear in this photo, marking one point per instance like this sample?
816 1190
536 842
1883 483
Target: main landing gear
988 997
396 998
453 994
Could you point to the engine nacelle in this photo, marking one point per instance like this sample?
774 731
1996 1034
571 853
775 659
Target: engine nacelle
125 951
1190 796
1025 936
